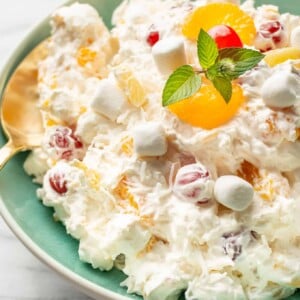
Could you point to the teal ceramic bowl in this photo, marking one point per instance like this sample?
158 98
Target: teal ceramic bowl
31 221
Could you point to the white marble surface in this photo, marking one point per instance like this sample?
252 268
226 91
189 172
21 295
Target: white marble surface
22 276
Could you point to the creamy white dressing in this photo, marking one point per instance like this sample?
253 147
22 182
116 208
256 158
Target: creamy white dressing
122 206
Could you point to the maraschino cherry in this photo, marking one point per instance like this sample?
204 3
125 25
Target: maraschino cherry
225 37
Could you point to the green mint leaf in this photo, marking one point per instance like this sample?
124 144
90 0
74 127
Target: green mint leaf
212 72
207 50
223 86
242 59
183 83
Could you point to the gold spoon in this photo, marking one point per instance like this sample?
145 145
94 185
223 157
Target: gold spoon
21 119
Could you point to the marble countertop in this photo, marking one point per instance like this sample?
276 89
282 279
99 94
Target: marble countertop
22 276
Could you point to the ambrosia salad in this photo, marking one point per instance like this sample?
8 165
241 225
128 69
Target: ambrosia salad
198 196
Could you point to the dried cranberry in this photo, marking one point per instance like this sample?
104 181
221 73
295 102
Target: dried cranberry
58 183
153 38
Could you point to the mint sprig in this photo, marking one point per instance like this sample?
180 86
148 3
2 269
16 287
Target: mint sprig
219 66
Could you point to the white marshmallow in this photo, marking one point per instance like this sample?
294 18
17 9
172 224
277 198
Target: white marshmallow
109 99
233 192
295 37
150 139
281 89
169 54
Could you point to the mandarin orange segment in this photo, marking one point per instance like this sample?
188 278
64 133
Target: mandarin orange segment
213 14
207 108
85 55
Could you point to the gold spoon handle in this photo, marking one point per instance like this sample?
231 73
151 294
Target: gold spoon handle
7 152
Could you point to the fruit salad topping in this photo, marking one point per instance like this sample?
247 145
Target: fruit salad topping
186 97
208 16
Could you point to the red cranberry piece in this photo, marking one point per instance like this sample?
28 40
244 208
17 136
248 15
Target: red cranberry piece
191 177
77 143
66 144
153 38
267 30
271 35
225 37
60 138
233 242
58 183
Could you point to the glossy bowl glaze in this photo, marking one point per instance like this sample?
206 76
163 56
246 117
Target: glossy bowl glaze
31 221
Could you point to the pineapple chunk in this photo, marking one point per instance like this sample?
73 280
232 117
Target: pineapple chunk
132 87
279 56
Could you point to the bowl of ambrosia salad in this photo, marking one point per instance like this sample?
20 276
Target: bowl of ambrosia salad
171 151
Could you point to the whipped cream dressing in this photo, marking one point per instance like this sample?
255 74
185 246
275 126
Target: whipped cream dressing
127 210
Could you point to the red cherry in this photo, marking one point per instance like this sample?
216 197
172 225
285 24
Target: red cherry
191 184
225 37
267 30
153 38
58 183
272 30
192 177
271 35
66 143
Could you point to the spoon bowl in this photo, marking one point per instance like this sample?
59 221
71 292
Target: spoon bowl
21 119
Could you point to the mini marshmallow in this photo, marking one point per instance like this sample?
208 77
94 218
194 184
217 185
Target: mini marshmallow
169 54
109 99
281 89
150 139
295 37
233 192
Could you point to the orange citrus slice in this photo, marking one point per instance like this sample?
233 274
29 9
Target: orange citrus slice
207 108
213 14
